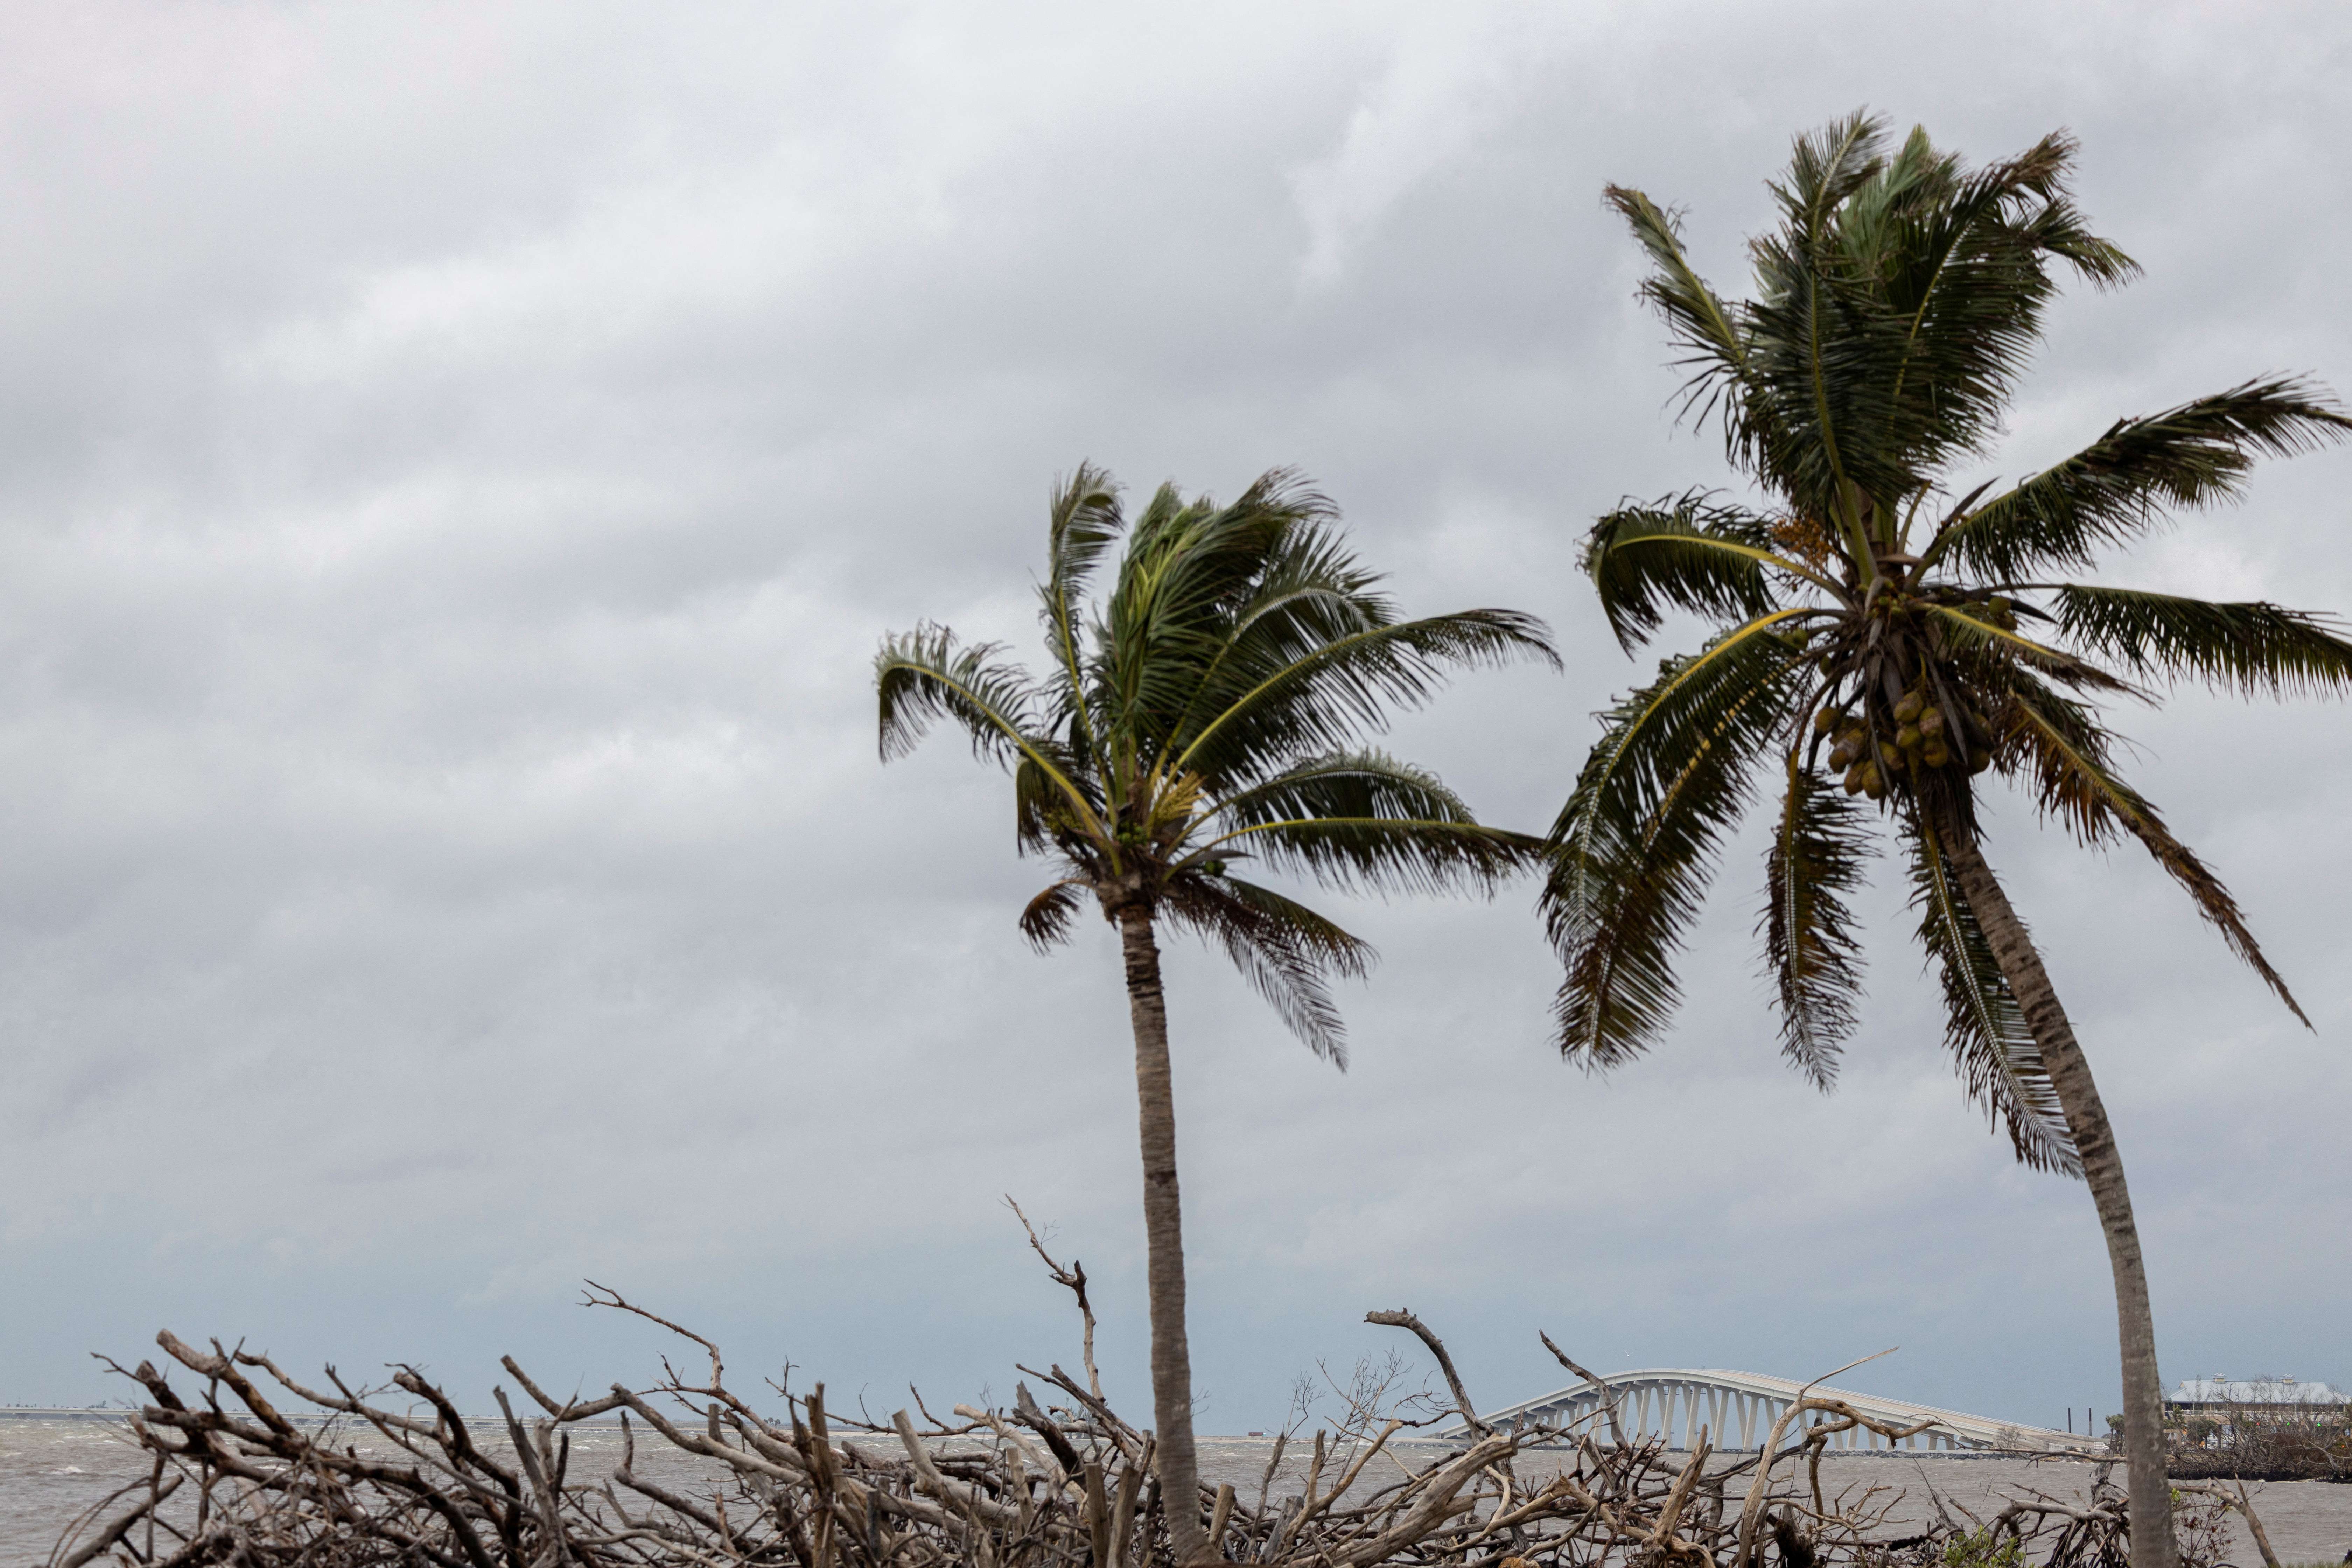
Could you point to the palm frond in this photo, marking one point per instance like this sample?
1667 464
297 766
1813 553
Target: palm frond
1966 630
1367 821
1633 848
2067 750
1815 332
1187 571
1285 950
1325 698
1364 820
1686 553
1819 843
1042 814
1083 520
1961 259
1828 165
2253 648
1984 1028
1704 327
2122 485
1047 921
1387 854
1311 592
922 676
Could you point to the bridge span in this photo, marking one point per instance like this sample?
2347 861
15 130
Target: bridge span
1737 1409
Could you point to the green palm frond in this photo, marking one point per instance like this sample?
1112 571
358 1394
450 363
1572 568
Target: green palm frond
2067 750
1204 710
1961 259
923 676
1826 167
1326 697
1042 788
1312 594
1083 520
1634 847
1364 820
1047 919
1812 326
1895 305
1686 553
1819 843
2122 485
1970 631
2253 648
1984 1028
1705 329
1285 950
1189 568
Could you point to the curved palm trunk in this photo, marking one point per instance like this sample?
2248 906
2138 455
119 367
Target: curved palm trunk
2152 1545
1163 1230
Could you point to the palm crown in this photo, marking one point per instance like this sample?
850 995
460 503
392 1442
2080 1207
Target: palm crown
1209 711
1877 635
1209 714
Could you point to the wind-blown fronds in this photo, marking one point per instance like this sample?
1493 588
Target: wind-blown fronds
1704 327
1819 843
1685 552
1895 304
2125 484
2066 752
1187 570
2253 648
1207 708
1967 631
1633 848
1362 819
1959 260
1325 696
1047 919
1083 522
1285 950
1983 1027
1875 634
922 676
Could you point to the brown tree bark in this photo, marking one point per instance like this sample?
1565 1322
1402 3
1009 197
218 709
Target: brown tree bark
1163 1231
2150 1491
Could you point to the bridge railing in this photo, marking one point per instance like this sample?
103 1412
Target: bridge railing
1737 1411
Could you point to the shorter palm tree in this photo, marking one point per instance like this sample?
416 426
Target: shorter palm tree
1878 647
1211 714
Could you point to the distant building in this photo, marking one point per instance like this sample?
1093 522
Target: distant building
2220 1393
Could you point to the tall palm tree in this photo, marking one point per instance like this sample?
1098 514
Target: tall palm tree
1210 713
1874 633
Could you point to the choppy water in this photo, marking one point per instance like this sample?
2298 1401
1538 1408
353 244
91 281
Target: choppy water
52 1471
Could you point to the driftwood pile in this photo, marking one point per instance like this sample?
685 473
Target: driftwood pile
361 1477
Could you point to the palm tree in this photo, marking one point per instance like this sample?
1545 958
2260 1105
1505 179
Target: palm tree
1870 626
1209 714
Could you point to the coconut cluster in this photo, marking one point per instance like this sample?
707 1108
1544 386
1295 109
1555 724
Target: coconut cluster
1916 732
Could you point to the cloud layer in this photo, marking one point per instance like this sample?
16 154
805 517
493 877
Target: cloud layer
456 463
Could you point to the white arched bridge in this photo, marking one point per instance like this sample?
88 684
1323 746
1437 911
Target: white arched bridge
1737 1409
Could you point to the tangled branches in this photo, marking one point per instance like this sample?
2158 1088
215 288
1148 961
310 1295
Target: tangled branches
2238 1441
705 1479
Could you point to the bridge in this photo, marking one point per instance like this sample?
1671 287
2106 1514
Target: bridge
1736 1409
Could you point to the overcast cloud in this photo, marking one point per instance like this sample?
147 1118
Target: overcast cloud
456 463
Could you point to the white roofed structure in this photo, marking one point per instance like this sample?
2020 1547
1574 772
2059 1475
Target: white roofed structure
2219 1392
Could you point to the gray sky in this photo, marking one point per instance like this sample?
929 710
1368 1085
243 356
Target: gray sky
456 463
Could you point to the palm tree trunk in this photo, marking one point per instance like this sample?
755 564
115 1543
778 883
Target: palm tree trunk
2149 1494
1163 1231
